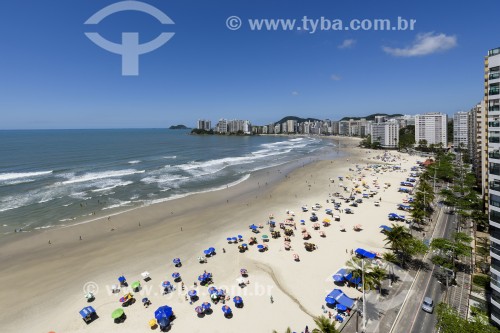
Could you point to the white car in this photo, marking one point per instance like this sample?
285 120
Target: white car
428 305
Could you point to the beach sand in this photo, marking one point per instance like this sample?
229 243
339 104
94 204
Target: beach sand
44 284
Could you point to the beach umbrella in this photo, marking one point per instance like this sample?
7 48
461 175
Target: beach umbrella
145 300
177 261
243 271
234 239
206 252
206 305
229 239
136 285
163 312
240 280
165 284
253 227
260 246
198 309
220 292
211 249
214 296
152 323
176 275
117 313
89 296
122 279
265 237
192 293
240 237
237 300
226 309
201 278
163 322
244 245
122 299
212 290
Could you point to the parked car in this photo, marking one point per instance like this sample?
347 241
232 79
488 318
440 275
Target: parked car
428 305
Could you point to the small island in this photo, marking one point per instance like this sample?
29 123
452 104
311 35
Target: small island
176 127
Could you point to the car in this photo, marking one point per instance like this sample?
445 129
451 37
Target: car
428 305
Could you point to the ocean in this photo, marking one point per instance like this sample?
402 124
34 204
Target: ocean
50 178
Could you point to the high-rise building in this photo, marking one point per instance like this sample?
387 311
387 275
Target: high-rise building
461 130
387 133
431 127
492 106
221 126
204 124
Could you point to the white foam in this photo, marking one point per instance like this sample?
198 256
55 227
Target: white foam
134 162
101 175
170 157
17 175
120 204
113 186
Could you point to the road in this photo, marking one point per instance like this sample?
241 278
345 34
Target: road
412 318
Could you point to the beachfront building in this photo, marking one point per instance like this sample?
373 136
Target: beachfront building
492 103
335 127
239 126
387 133
221 126
479 149
431 127
291 126
461 130
204 124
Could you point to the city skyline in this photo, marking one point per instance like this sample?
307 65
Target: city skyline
57 78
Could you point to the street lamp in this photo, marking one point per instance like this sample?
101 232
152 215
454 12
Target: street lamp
363 322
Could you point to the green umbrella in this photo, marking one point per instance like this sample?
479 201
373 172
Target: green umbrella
136 285
265 237
117 313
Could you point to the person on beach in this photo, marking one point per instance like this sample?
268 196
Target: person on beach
223 250
49 242
182 285
271 299
80 237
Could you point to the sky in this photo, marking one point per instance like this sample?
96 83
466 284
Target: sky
53 76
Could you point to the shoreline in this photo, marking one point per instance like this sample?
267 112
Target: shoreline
201 220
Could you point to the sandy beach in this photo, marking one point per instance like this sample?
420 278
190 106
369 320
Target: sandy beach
44 284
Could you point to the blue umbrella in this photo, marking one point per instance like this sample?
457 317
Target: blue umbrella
240 237
205 305
201 278
192 293
253 227
237 300
122 279
165 284
163 322
234 239
211 249
177 261
206 252
229 239
220 292
212 290
199 309
226 309
145 300
176 275
260 246
244 244
163 312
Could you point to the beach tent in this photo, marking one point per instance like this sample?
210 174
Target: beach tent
385 228
87 313
364 253
354 280
340 275
337 296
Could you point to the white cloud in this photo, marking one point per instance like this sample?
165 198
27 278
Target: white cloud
295 93
347 44
424 44
335 77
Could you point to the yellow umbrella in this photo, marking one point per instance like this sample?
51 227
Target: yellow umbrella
152 323
326 220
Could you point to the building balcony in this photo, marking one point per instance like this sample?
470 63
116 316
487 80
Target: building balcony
494 76
494 92
494 124
494 139
494 108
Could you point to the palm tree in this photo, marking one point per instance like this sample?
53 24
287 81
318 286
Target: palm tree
396 237
377 275
324 325
391 259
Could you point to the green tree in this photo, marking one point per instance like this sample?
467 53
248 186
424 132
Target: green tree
448 321
324 325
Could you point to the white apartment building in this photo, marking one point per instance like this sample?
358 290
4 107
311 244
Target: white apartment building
386 133
432 128
492 105
461 130
204 124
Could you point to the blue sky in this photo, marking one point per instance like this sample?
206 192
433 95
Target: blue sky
53 76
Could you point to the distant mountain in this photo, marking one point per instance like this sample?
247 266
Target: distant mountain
372 116
298 119
178 127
